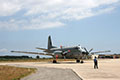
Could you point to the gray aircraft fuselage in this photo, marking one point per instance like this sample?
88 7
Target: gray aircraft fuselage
68 52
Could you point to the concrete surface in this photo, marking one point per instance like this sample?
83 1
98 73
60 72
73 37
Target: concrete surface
109 69
44 73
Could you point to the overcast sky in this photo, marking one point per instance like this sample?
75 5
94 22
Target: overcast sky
26 24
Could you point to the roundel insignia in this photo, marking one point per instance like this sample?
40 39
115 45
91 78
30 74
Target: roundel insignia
68 50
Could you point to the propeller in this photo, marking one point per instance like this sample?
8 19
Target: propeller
88 52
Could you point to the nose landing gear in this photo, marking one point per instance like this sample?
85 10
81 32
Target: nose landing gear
82 61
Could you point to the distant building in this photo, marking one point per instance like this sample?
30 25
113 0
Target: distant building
94 55
106 56
112 56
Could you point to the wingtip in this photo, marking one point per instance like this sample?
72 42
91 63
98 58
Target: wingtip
109 50
36 47
11 51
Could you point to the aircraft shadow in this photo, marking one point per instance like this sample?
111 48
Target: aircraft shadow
65 63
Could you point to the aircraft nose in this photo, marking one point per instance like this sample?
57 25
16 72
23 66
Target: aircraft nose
79 48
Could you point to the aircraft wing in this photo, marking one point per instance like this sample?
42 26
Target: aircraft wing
45 50
100 52
31 53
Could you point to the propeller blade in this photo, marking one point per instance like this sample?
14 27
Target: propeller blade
90 50
85 50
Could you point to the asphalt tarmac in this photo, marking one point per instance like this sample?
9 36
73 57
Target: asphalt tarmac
44 73
109 69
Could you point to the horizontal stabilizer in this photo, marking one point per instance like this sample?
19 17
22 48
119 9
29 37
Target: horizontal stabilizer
41 48
45 50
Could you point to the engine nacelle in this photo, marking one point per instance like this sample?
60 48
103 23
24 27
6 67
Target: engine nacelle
57 52
64 53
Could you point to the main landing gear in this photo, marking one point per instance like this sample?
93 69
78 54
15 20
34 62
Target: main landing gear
77 61
54 61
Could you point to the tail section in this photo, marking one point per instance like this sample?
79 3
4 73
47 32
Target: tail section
50 43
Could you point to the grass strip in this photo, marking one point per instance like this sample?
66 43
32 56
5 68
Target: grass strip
14 73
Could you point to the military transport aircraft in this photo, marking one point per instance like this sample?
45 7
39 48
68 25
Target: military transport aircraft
76 52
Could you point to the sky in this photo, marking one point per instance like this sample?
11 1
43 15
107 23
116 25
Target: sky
26 24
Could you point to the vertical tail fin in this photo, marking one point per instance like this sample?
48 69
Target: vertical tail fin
49 42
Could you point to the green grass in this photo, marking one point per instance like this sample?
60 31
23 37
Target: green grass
33 60
14 73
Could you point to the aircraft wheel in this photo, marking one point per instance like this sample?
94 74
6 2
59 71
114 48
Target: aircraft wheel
54 61
82 62
77 61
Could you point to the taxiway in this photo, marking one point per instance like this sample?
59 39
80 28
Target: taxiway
108 69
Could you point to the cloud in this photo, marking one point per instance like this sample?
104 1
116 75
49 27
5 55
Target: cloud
33 24
3 50
43 25
8 8
43 14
